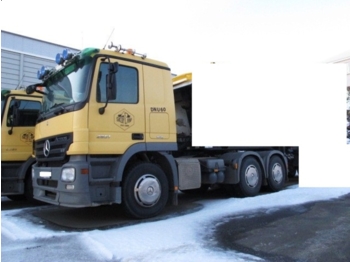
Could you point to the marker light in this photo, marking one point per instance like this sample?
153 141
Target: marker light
40 88
38 75
130 51
43 72
59 59
69 187
67 54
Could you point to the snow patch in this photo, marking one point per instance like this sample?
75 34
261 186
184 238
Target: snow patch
177 239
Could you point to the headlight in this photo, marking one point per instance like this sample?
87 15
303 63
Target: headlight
68 174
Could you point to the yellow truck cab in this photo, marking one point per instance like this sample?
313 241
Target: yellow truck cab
116 128
19 112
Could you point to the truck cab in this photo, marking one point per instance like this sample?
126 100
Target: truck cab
105 112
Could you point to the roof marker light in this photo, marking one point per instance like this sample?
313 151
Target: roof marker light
67 54
38 75
59 59
43 72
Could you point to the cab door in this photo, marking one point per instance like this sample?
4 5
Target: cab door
17 130
122 123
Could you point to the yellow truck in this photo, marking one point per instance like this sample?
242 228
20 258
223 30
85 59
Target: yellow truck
19 112
116 128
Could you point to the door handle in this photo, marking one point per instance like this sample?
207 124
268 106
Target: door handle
137 136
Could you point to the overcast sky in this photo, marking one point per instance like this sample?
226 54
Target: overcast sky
182 33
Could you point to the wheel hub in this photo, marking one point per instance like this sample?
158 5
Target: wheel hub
277 174
251 176
147 190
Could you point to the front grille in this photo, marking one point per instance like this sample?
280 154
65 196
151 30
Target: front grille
48 183
58 148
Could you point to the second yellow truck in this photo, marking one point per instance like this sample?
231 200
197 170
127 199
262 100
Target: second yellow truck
19 113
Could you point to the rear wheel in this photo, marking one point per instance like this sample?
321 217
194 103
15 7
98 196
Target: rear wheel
145 191
276 174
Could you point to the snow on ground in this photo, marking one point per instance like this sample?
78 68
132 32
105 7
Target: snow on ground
181 238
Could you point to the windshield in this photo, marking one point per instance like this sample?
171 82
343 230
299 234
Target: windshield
67 85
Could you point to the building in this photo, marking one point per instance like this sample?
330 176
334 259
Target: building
22 57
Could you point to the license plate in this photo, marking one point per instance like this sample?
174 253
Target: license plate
45 174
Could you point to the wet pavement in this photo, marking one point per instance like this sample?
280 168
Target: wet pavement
84 219
317 231
314 231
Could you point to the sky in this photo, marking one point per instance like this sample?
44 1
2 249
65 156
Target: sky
172 239
185 33
259 69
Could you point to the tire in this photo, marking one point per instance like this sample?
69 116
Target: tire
276 174
145 191
28 189
250 178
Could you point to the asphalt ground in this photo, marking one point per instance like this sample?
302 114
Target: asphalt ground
316 231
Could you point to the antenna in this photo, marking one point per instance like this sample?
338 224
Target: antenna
20 82
108 39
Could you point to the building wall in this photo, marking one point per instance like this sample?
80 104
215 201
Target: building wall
22 57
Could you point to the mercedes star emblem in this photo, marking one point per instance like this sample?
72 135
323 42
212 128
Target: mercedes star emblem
46 149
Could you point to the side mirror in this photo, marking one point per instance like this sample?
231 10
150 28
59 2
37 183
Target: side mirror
30 89
13 118
111 85
111 81
16 115
35 88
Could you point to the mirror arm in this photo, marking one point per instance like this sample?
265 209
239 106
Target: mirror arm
10 132
101 110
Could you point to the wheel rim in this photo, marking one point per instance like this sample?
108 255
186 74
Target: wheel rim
147 190
277 173
251 176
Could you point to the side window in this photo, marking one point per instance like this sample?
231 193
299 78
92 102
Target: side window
23 113
127 85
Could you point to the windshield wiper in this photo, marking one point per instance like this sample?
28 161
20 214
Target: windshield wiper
56 105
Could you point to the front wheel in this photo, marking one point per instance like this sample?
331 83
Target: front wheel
145 191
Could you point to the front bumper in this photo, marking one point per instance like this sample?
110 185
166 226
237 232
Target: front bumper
48 187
